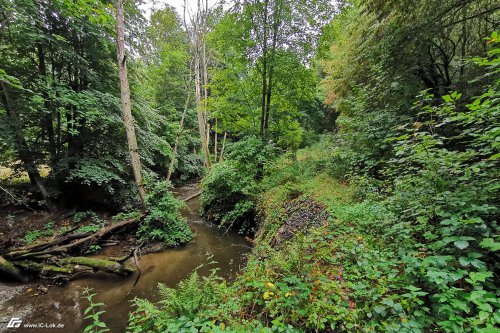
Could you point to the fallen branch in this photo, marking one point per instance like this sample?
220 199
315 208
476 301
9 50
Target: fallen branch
192 196
18 253
102 233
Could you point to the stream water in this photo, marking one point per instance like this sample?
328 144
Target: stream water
64 304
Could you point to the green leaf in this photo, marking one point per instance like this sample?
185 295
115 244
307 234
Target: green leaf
490 244
479 276
461 244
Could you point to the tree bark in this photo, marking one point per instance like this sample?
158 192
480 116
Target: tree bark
264 75
7 268
177 138
221 156
215 140
128 120
271 67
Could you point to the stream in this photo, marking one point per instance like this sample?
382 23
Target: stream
64 304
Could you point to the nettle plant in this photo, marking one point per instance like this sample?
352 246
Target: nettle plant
445 191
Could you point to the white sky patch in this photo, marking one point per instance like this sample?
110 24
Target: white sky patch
149 5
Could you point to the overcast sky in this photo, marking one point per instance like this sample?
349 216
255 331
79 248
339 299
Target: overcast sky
149 5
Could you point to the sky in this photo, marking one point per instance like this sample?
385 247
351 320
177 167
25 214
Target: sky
149 5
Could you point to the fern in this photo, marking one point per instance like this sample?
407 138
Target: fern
186 300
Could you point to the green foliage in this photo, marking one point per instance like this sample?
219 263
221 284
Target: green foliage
64 113
445 195
93 313
164 222
126 216
93 248
412 251
97 222
181 309
291 31
230 187
33 235
227 195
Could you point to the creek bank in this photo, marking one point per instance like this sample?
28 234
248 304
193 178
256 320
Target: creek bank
57 253
41 301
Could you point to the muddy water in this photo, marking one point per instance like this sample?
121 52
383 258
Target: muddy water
64 305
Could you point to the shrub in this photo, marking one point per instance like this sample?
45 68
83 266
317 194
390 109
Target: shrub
228 196
164 222
230 187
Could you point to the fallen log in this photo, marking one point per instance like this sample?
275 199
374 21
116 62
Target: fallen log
108 266
6 267
83 240
102 233
197 194
18 253
50 259
68 266
43 268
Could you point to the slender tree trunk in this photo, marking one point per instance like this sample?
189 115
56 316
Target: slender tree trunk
47 121
271 67
22 148
198 67
128 120
199 108
223 146
269 90
215 140
174 152
264 75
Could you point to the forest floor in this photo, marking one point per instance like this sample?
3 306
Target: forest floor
23 227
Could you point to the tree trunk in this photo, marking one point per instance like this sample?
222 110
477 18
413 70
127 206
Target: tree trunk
264 75
107 266
174 152
271 67
221 156
215 140
7 268
202 121
128 121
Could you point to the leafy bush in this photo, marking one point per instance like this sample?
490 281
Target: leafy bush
228 196
445 195
164 222
230 187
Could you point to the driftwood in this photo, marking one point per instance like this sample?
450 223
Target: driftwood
197 194
56 257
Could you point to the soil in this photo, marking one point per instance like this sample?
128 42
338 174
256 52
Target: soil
302 214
